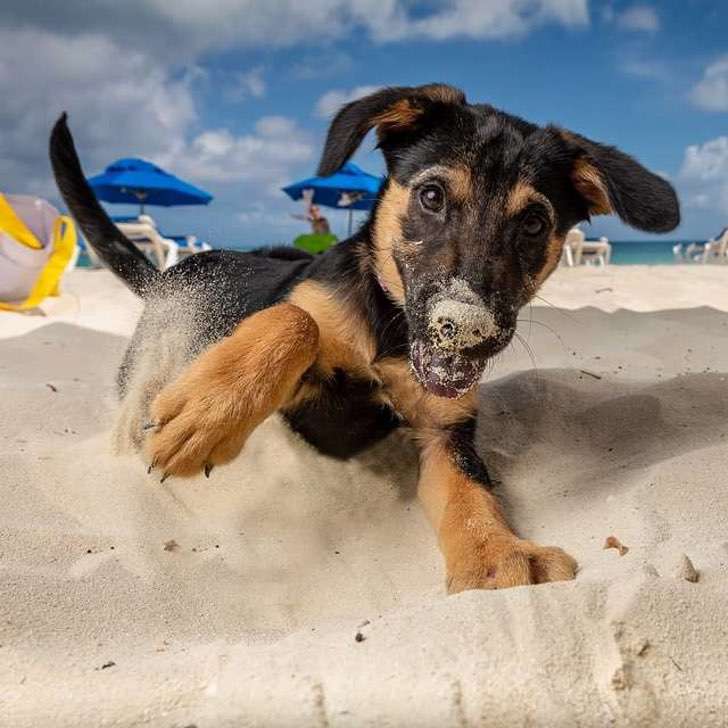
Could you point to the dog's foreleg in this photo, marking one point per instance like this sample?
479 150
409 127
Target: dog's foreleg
480 549
205 416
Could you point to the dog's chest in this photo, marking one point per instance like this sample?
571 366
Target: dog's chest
343 414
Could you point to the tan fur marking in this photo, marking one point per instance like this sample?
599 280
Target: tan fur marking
387 234
423 411
523 195
520 196
553 256
461 184
480 549
399 115
345 339
205 416
590 185
458 178
443 93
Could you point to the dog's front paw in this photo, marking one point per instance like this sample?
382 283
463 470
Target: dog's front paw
502 563
194 427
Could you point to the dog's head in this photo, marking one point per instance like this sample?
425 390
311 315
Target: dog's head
474 213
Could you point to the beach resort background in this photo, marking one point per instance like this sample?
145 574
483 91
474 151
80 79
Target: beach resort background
236 96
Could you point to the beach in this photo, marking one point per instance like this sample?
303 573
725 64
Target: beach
291 589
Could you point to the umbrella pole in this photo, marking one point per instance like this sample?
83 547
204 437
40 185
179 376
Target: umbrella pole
351 213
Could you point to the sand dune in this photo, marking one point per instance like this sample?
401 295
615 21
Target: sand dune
236 600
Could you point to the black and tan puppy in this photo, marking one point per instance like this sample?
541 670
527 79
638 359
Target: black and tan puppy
390 328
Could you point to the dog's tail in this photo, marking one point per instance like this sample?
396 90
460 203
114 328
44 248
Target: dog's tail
111 245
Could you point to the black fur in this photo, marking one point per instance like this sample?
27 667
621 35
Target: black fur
465 455
642 199
114 248
344 419
356 119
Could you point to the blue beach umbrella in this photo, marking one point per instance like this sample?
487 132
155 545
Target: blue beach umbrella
136 181
351 188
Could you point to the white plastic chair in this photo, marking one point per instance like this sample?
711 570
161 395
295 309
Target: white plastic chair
596 251
144 234
716 251
573 245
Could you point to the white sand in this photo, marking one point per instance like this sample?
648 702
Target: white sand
249 615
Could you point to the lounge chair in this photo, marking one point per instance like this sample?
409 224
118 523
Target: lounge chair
143 232
37 246
573 243
189 245
716 251
580 251
166 250
596 252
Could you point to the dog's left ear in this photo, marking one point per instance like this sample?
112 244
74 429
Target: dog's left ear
611 182
394 111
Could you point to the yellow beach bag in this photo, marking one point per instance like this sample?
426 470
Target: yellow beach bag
36 246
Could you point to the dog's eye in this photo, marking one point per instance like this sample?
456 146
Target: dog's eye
533 226
432 198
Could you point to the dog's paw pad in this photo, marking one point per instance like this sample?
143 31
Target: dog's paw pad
515 562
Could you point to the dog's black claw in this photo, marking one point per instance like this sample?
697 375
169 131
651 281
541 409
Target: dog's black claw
163 478
208 469
150 426
151 467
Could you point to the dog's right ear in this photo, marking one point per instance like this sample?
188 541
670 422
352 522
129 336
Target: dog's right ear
393 110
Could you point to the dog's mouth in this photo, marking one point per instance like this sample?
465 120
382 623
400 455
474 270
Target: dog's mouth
445 374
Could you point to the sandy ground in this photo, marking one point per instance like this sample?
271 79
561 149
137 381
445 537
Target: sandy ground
235 601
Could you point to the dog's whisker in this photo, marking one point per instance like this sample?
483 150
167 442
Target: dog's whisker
560 310
528 349
551 330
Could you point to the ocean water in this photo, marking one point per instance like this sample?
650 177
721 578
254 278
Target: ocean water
645 252
624 252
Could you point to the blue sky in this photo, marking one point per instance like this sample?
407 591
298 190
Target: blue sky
235 95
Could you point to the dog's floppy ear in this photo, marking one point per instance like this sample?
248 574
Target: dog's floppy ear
611 182
392 110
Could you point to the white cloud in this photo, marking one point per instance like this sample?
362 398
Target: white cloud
639 18
703 177
711 92
252 83
478 19
333 100
645 68
119 101
183 29
131 106
265 156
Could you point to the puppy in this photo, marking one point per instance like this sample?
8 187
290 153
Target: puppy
390 328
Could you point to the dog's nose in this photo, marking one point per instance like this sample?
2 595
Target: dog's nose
458 325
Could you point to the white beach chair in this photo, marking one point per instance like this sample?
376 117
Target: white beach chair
573 245
189 245
580 251
144 234
716 251
596 252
